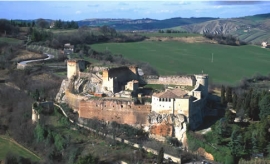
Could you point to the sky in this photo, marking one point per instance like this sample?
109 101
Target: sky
80 10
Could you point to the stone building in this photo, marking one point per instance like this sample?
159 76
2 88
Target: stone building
120 78
177 101
68 48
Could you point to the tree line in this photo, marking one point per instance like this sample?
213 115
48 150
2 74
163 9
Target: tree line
59 24
171 31
225 39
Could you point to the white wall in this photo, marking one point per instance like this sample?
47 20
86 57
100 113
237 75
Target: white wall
162 106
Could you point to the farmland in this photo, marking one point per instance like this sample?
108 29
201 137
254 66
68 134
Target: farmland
230 63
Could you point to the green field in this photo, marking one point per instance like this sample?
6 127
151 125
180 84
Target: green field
10 40
8 146
230 63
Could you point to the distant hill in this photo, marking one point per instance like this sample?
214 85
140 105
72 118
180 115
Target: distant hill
142 24
251 29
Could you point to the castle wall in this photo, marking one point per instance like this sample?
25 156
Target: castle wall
164 106
171 106
196 113
116 78
73 100
182 106
173 80
123 112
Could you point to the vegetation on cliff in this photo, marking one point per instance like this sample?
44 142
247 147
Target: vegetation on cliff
243 133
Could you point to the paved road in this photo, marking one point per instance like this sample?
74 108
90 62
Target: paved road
49 56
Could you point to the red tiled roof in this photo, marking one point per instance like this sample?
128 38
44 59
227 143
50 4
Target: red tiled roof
175 93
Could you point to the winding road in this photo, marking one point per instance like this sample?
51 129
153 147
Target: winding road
22 64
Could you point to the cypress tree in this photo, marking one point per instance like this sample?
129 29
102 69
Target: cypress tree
222 98
234 100
228 94
160 156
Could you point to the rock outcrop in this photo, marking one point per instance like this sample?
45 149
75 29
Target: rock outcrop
167 125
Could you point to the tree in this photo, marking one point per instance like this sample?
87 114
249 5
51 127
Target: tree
89 159
160 156
59 142
254 142
228 94
247 101
234 101
33 24
264 106
42 23
222 98
254 107
39 132
229 116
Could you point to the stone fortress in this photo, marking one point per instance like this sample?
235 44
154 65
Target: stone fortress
115 94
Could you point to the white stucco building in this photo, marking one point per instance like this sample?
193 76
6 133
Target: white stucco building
177 101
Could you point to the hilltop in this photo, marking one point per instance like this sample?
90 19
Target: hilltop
143 24
251 29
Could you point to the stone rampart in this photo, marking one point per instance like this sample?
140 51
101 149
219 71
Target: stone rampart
73 100
123 112
167 156
197 113
173 80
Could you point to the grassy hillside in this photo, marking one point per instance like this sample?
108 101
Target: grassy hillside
8 146
252 29
230 64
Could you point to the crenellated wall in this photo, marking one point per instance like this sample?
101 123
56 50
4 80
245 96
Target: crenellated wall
173 80
123 112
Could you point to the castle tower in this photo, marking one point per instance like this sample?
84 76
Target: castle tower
202 79
35 116
105 75
71 68
74 67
